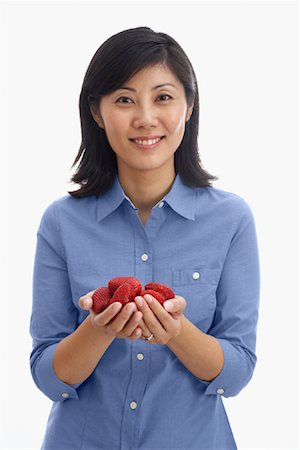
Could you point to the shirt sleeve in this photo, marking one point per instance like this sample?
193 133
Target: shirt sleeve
236 316
53 315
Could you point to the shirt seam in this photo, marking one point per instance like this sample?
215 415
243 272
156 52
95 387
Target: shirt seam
237 221
233 231
57 221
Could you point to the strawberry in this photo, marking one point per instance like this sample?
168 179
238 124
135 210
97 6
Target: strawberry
159 297
166 291
114 283
100 299
124 294
125 289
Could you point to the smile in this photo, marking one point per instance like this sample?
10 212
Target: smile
151 143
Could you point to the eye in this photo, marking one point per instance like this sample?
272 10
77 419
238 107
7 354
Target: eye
117 101
127 98
165 95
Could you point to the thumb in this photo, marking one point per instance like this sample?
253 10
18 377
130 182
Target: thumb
169 306
86 302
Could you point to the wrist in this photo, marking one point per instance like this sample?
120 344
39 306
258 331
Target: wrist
183 324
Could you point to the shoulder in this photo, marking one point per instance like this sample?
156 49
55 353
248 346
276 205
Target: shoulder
68 207
219 197
222 204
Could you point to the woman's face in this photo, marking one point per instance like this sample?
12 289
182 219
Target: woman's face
151 104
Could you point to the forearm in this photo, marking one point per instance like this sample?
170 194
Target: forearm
200 353
77 355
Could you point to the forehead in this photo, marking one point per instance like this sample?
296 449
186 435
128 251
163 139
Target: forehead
155 73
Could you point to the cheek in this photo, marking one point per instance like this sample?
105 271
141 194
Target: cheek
115 126
176 123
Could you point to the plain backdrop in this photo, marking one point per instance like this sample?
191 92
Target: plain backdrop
245 55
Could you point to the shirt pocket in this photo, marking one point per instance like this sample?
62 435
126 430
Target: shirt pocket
198 285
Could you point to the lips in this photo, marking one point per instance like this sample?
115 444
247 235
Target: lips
147 145
145 138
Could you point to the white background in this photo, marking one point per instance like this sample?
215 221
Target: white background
245 58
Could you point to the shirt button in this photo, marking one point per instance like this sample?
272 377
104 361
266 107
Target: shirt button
133 405
196 275
144 257
220 391
65 395
140 356
161 204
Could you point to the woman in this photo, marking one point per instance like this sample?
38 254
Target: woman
145 375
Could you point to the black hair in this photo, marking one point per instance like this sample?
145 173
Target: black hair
118 59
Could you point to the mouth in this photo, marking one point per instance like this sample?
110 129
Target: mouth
147 144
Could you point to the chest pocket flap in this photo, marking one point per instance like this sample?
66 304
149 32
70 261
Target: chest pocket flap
195 275
198 285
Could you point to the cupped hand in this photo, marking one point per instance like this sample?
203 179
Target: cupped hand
163 321
116 320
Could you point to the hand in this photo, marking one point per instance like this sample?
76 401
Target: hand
163 321
117 321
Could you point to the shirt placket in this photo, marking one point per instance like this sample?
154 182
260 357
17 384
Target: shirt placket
140 351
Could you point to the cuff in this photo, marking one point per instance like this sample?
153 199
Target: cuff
235 374
48 382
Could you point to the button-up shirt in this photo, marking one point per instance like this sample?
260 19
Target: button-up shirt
200 241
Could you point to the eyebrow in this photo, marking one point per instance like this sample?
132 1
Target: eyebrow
155 87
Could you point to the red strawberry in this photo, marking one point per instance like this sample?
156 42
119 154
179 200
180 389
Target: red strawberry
100 299
124 294
166 291
159 297
114 283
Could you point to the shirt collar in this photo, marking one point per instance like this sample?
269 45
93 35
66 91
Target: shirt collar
181 198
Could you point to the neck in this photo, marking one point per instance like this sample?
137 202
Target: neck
146 188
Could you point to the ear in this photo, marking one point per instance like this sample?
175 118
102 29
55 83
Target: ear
189 112
96 115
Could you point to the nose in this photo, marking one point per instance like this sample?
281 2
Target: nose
145 116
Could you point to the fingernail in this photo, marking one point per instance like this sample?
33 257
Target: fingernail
169 305
148 298
87 303
117 306
139 301
130 309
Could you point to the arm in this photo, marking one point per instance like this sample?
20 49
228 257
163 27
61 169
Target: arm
53 316
234 327
200 353
64 354
77 355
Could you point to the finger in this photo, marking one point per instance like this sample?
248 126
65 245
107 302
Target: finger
136 334
160 313
176 304
132 324
145 330
118 323
86 301
170 324
154 325
103 318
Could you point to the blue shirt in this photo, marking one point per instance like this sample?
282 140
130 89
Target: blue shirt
199 241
